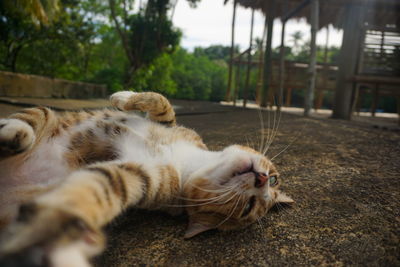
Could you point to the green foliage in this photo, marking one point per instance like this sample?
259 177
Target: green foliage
214 52
156 77
198 77
106 42
38 12
151 36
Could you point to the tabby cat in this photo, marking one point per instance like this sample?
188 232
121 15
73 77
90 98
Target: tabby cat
64 176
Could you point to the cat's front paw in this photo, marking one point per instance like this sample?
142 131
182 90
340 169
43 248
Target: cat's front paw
120 99
16 137
45 236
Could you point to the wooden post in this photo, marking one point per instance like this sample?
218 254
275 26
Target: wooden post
312 71
260 66
360 66
375 99
237 83
352 22
281 66
320 90
269 17
246 88
398 107
288 97
282 60
228 89
360 101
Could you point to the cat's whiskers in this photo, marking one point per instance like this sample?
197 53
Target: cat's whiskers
213 200
281 208
291 143
202 199
261 130
274 131
232 211
259 224
223 189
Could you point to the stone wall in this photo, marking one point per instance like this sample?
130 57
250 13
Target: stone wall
24 85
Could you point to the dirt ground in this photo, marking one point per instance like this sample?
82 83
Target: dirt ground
344 176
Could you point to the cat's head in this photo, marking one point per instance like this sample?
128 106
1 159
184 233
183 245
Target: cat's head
232 192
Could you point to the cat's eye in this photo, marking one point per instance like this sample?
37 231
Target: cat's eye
249 206
273 180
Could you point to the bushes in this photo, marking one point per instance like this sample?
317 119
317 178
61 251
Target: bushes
198 77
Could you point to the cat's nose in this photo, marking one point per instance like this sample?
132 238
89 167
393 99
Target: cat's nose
261 179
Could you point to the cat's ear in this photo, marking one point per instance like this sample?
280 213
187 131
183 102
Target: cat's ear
195 228
283 198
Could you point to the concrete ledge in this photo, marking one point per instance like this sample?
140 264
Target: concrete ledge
24 85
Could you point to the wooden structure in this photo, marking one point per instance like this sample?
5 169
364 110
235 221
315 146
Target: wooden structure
293 82
356 18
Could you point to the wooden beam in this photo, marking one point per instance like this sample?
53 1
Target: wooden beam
353 19
312 71
269 17
228 89
246 88
295 10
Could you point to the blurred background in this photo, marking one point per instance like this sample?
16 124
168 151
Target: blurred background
312 58
236 50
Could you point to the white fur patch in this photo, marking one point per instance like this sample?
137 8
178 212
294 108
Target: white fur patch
121 98
72 255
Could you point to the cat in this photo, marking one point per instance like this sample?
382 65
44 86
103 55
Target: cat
65 176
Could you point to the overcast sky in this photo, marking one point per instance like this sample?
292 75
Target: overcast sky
210 23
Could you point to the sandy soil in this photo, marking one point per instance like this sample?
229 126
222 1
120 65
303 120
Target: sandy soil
343 175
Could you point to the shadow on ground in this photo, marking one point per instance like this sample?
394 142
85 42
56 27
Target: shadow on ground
344 176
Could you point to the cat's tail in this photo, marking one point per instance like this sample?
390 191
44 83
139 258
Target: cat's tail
158 108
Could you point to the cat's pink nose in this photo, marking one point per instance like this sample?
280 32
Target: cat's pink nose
261 179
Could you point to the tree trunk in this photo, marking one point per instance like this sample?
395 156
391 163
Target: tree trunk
353 20
228 89
268 56
312 71
246 88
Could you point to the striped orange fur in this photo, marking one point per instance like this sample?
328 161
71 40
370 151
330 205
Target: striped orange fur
92 165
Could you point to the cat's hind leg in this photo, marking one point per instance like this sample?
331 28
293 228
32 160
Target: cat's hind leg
22 130
156 105
16 136
54 237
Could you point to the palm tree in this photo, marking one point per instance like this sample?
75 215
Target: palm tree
297 36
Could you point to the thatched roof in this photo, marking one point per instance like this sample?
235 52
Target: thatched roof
380 12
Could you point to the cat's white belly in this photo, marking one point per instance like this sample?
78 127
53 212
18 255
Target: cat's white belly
44 166
20 181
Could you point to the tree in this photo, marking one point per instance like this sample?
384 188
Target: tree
297 36
146 35
61 49
214 52
37 11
